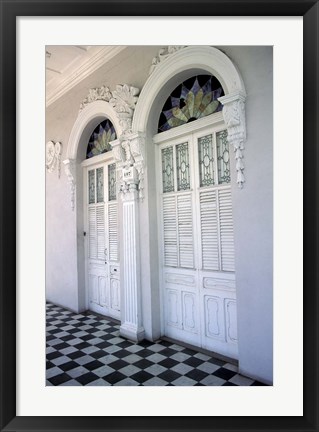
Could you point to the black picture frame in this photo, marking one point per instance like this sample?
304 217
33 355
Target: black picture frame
309 10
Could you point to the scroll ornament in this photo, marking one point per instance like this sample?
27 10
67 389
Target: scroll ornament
99 93
163 54
53 156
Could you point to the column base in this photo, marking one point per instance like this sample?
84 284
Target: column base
132 332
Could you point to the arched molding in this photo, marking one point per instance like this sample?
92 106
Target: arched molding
89 116
200 59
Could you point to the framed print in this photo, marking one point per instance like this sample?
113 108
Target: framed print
161 185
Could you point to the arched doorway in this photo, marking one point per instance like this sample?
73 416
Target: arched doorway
92 177
194 280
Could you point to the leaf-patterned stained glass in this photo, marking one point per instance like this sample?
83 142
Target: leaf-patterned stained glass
168 169
195 98
91 186
206 160
223 162
182 167
100 184
99 141
112 182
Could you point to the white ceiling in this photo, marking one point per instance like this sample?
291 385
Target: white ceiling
67 65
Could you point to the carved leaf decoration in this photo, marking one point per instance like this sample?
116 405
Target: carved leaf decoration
124 98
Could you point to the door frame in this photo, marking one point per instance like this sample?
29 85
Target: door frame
104 159
215 123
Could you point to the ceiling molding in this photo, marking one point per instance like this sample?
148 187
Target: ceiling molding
105 54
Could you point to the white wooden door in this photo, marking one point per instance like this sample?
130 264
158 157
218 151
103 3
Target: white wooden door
197 240
102 254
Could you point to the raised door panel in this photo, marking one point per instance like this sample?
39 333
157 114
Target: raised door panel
190 312
103 291
231 320
115 294
172 307
214 318
93 288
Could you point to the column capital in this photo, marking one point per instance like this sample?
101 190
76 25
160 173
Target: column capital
129 153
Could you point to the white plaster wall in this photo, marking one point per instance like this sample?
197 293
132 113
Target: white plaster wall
253 216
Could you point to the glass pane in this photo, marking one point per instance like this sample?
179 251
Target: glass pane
182 166
168 169
194 98
99 141
112 182
100 184
91 187
206 160
223 162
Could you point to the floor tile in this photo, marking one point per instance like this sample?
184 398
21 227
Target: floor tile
155 369
141 376
134 348
127 382
129 370
184 381
212 380
225 374
240 380
182 368
155 382
50 373
59 379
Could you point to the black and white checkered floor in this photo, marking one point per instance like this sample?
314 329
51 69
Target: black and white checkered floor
86 349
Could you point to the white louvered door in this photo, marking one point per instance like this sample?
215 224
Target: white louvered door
102 254
197 239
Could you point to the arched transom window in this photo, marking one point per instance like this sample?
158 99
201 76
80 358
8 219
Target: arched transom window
194 98
99 141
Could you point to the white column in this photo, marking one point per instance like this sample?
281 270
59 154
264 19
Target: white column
131 326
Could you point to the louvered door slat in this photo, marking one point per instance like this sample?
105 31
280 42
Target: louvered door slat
92 233
170 231
209 230
113 232
226 230
100 230
185 231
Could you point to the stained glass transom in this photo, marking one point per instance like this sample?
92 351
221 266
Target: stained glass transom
91 186
112 182
168 169
182 167
191 100
99 141
100 184
206 160
223 162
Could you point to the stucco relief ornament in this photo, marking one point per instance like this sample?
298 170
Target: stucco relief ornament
127 150
163 54
53 156
124 100
99 93
69 167
234 117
